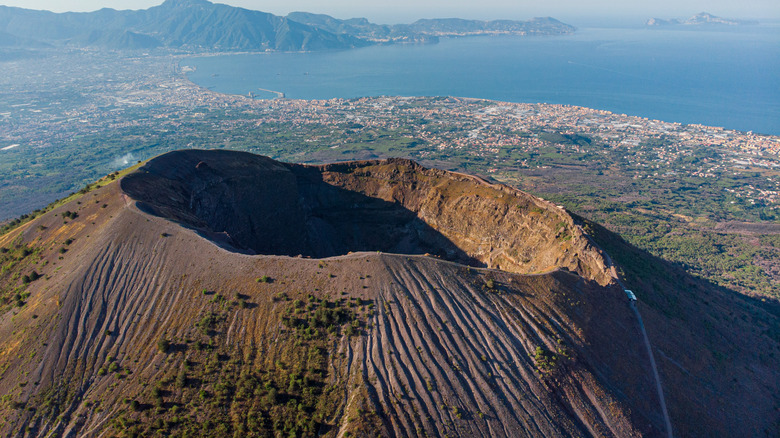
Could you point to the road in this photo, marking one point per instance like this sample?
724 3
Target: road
660 390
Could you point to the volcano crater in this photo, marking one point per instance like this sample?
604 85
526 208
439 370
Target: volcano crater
253 204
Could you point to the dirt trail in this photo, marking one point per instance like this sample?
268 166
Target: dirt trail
659 389
661 398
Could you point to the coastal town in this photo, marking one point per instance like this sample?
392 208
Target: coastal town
39 112
695 195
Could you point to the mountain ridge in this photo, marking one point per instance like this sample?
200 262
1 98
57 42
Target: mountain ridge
198 25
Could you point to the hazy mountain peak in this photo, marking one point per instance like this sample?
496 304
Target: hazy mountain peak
203 25
702 18
185 3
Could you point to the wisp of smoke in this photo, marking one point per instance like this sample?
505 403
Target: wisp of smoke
124 161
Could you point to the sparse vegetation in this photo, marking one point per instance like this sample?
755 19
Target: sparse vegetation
13 284
208 323
289 397
546 362
31 277
67 214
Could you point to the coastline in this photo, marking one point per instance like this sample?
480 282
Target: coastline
627 119
653 85
249 96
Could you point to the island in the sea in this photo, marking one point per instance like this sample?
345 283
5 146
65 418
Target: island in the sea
700 19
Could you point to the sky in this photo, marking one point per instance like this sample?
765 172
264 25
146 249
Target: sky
404 11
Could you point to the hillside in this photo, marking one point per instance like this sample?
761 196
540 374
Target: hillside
175 300
179 24
199 25
459 27
429 30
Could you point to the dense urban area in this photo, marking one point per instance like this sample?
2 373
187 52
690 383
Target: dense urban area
703 197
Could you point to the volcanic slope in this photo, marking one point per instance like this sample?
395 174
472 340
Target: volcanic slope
175 302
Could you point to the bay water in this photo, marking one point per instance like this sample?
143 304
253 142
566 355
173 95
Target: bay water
720 77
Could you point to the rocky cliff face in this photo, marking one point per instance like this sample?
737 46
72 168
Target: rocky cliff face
500 227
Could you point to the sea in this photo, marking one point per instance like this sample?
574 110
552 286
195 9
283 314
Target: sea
717 77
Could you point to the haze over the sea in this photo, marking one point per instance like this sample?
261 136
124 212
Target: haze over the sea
574 12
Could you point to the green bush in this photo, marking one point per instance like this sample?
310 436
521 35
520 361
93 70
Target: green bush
181 378
163 345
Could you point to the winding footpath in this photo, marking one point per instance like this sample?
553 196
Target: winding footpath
632 301
660 390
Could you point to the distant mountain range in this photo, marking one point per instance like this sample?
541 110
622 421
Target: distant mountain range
202 25
428 30
700 19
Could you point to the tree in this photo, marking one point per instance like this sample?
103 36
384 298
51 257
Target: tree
163 345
